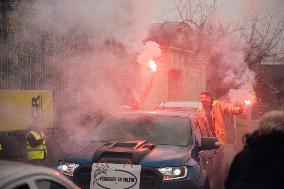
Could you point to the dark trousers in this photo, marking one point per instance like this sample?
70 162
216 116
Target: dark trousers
217 166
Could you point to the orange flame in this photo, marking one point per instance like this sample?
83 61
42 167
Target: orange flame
152 65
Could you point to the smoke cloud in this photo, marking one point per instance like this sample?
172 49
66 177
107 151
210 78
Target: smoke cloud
92 42
89 49
229 74
125 21
86 50
149 51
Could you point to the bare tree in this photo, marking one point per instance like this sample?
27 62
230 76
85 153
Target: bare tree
264 38
209 33
258 39
197 12
263 34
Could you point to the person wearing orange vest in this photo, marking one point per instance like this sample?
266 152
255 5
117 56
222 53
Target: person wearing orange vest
210 119
36 147
210 116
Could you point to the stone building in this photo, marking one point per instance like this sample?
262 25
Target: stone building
179 77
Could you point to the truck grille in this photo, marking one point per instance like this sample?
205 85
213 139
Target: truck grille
150 178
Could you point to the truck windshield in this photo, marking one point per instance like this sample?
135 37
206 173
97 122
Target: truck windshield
157 129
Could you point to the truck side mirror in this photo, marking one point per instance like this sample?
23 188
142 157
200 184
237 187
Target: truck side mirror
209 143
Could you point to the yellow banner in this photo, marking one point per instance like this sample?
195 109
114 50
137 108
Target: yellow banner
21 108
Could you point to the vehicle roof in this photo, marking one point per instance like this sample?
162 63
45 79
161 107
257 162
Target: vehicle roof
155 112
12 171
180 104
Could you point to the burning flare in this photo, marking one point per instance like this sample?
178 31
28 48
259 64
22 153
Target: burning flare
247 102
152 65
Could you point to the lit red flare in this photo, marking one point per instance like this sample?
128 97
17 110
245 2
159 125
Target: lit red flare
152 65
247 102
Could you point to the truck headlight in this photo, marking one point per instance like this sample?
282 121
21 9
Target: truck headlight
170 173
66 168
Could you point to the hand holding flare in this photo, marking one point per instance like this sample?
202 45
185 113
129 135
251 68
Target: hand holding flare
247 104
139 99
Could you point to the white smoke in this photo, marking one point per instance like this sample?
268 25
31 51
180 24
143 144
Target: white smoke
149 51
125 21
231 67
91 44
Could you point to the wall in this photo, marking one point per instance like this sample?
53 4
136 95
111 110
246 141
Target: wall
178 78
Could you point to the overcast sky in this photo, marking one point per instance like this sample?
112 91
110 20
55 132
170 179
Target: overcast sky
227 9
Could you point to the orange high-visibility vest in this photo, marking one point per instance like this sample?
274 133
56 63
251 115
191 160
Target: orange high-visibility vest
219 111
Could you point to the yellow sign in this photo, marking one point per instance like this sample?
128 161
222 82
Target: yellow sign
21 108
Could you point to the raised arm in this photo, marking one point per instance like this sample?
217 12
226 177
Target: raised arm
139 100
229 109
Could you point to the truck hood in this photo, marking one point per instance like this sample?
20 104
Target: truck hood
82 154
160 156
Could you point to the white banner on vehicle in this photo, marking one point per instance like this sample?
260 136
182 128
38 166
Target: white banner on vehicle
115 176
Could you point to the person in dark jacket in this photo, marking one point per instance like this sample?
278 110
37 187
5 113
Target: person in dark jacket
261 163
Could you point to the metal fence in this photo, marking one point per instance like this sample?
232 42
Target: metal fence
26 59
24 63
